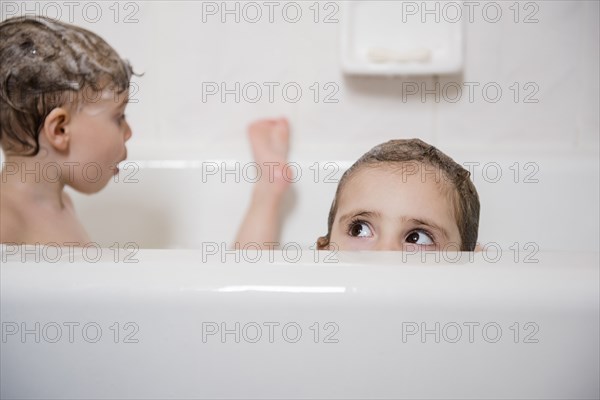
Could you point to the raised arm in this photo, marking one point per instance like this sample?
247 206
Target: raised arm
270 143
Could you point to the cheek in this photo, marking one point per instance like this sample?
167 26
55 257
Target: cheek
452 244
110 146
90 177
357 245
337 241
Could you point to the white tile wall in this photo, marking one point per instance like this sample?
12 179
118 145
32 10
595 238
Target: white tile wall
177 52
548 54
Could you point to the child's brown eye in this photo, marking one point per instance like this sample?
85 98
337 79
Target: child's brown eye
360 229
419 236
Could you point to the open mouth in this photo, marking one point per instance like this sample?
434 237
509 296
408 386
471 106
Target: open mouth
115 167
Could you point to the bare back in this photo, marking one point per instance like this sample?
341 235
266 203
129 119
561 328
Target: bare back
26 220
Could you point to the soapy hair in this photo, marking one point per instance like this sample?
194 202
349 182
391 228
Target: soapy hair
47 64
461 191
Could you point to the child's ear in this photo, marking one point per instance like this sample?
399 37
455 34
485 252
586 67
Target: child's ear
323 243
56 128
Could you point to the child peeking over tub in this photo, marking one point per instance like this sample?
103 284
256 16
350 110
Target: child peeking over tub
63 93
400 194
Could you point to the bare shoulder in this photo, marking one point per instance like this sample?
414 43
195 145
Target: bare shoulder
12 221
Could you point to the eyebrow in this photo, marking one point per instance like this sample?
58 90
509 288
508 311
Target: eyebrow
359 213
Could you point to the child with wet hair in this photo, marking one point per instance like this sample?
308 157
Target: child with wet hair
63 94
401 195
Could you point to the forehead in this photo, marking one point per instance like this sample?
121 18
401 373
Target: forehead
109 95
399 191
106 99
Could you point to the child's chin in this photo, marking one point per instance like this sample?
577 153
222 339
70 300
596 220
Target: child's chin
88 188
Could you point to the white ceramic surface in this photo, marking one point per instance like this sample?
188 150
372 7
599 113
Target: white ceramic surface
548 200
401 27
177 54
170 311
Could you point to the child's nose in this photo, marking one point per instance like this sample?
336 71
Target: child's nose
391 244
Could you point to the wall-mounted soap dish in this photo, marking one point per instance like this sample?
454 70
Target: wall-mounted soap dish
390 38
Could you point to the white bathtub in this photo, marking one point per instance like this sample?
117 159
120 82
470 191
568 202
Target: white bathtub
515 321
548 200
379 325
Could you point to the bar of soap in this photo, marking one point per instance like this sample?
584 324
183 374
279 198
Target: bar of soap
385 55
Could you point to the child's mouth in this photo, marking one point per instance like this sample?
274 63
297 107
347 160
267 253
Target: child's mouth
116 166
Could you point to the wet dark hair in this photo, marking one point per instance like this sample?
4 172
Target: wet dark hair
463 195
47 64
